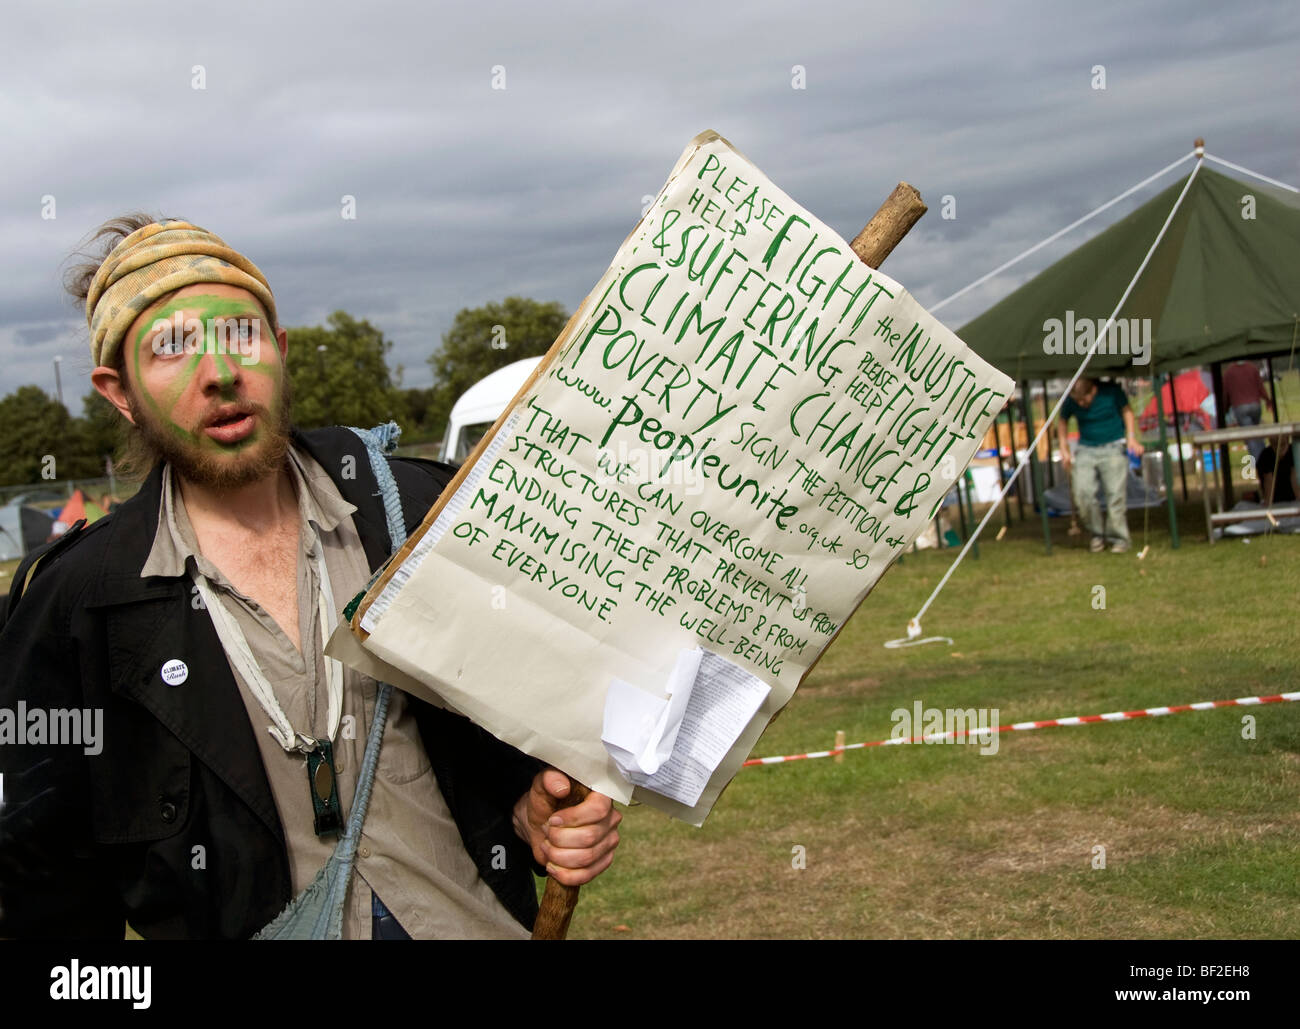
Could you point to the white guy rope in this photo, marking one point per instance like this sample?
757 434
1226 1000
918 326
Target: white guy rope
1047 422
1057 235
1247 171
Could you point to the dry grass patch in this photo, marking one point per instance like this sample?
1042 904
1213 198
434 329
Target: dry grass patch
912 876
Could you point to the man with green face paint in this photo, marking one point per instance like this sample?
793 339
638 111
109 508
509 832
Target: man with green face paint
195 617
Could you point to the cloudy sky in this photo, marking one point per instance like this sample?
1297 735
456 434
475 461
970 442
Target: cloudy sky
466 194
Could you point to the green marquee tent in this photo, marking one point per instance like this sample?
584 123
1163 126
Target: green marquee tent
1221 285
1224 283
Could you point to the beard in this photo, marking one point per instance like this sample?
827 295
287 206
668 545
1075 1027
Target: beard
210 471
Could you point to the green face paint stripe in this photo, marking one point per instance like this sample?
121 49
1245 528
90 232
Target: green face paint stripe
212 306
209 308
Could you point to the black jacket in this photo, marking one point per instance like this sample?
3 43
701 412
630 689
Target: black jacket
172 827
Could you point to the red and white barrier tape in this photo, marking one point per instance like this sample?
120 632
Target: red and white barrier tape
1051 723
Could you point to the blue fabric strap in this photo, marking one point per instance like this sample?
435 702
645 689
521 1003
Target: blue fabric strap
380 441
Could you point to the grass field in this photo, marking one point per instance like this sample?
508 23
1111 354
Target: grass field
1200 827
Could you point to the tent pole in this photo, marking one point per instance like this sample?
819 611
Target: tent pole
1002 472
1272 389
1178 432
1221 409
1051 467
1011 449
1164 463
961 512
1034 466
969 480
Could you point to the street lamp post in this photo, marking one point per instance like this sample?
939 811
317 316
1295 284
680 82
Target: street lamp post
58 379
320 361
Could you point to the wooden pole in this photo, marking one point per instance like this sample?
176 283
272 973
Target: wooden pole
559 901
840 740
901 210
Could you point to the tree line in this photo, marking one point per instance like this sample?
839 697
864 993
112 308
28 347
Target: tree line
339 374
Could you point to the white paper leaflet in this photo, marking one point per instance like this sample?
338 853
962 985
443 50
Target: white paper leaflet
673 745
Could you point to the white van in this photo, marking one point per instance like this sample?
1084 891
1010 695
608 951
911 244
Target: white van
480 405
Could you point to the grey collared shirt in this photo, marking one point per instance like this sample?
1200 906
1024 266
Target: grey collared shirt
410 851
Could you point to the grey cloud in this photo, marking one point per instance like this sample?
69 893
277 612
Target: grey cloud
34 335
465 194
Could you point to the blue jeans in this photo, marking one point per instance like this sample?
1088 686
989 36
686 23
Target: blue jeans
1248 414
1105 466
384 924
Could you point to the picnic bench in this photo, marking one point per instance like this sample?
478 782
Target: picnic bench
1216 437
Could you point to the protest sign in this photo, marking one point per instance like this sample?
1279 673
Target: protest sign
733 438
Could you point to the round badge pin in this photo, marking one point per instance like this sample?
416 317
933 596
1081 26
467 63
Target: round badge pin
175 672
